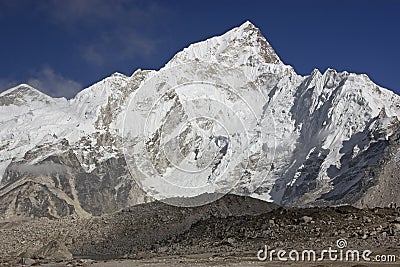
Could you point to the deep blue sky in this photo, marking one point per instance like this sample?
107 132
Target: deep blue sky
64 46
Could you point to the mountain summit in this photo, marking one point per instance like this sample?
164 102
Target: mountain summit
242 45
323 139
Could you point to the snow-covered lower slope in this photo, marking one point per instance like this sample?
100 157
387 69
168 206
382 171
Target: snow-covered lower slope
223 115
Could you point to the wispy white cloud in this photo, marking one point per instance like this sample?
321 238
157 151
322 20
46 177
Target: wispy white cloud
123 28
106 33
118 45
47 81
78 11
54 84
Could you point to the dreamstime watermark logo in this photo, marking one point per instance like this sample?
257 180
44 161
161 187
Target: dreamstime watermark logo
340 253
193 132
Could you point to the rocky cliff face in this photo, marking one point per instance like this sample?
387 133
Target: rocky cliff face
224 115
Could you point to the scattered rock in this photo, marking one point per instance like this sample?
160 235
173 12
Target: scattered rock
163 249
383 235
364 236
367 219
231 241
306 219
397 226
131 234
54 250
27 261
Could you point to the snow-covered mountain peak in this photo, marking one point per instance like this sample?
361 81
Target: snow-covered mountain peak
21 88
23 94
247 24
243 45
118 74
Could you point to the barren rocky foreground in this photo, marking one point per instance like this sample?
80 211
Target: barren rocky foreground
228 232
